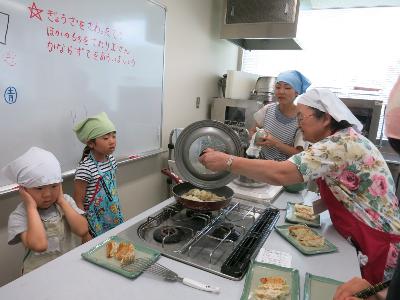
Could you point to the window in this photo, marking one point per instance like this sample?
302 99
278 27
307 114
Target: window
351 51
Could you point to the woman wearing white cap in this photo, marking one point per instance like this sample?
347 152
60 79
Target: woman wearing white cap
346 290
354 181
279 119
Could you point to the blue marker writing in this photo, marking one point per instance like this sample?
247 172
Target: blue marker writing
10 95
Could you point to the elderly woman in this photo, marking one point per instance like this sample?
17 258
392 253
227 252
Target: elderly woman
280 119
354 285
353 178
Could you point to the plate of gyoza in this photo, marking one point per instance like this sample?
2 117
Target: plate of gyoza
306 240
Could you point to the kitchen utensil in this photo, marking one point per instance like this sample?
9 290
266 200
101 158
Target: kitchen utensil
197 137
328 247
249 182
259 270
265 84
372 290
182 187
97 255
292 218
142 264
318 287
295 188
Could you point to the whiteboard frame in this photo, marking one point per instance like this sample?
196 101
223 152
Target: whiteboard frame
8 189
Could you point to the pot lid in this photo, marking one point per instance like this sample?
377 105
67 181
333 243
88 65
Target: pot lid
193 140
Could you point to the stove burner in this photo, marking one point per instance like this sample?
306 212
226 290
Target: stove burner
199 219
223 230
168 234
194 213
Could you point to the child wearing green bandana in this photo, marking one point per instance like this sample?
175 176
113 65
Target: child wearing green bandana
95 186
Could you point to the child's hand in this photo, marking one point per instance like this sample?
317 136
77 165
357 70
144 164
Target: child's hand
27 198
60 197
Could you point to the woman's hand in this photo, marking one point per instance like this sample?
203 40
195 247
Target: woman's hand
214 160
268 141
349 288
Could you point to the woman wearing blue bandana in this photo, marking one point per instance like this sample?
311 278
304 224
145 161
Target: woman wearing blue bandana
279 119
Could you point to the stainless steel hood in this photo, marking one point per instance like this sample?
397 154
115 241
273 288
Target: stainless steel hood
261 24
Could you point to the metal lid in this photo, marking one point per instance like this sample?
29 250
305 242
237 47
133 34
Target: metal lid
193 140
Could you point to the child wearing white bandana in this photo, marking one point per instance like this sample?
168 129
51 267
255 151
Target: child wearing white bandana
47 222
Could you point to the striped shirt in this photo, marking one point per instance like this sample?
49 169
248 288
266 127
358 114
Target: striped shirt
87 171
281 127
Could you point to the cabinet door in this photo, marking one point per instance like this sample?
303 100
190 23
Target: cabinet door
257 11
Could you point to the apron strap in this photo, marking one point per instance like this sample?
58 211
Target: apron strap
96 190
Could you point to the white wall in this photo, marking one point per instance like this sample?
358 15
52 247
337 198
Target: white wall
195 57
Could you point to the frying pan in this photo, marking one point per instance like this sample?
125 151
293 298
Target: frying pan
183 187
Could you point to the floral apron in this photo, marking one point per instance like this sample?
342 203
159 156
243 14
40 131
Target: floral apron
60 240
375 244
103 210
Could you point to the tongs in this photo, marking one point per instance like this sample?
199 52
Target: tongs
144 264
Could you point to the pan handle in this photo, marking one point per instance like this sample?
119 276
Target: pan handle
171 175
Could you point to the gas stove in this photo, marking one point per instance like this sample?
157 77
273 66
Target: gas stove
221 242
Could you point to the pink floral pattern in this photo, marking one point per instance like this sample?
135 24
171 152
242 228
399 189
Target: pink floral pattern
358 176
374 215
350 180
369 161
379 186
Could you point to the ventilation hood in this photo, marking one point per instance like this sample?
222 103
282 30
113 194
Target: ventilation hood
261 24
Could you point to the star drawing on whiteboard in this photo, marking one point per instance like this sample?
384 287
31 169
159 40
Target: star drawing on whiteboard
35 12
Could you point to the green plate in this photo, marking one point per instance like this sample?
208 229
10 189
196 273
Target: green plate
258 270
292 218
317 287
328 246
97 255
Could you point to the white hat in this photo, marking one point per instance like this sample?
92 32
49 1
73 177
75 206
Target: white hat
325 101
34 168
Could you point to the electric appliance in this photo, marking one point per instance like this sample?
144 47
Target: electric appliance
264 90
368 112
234 110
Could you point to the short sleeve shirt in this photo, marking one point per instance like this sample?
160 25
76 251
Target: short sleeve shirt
18 220
281 127
87 171
358 176
259 117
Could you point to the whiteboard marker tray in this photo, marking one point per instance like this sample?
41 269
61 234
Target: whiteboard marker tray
265 194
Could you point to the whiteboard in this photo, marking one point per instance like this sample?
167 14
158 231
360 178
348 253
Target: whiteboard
61 61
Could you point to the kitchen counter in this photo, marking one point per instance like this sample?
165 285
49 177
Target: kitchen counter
70 277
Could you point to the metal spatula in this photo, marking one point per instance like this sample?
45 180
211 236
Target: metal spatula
143 264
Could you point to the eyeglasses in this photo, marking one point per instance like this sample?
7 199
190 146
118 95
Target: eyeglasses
300 117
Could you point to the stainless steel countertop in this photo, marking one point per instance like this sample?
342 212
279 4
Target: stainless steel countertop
70 277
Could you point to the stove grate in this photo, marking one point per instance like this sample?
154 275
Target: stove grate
237 263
